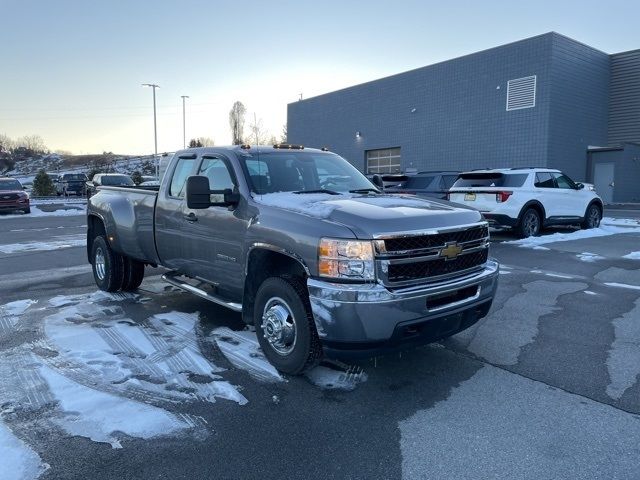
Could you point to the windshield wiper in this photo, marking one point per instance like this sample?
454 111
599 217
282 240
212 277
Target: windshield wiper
365 190
319 190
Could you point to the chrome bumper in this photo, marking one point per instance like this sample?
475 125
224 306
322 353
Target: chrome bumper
370 312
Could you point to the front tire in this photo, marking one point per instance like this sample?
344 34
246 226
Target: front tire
27 211
285 327
592 217
108 266
530 224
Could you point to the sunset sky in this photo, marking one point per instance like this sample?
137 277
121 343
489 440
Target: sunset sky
72 70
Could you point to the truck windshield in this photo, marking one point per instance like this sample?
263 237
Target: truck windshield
303 171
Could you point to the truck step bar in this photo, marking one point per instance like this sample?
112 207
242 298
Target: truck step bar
171 278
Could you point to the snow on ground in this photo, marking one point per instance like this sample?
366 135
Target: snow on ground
63 242
158 358
243 351
633 256
604 231
336 376
16 308
18 461
589 257
60 201
620 222
36 212
98 416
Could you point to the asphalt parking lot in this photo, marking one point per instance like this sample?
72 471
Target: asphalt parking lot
160 384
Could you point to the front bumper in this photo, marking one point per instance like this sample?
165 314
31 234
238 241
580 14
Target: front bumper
14 205
369 318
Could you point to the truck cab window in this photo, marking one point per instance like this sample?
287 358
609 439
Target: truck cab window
219 176
180 174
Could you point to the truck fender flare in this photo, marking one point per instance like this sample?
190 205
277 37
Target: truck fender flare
273 248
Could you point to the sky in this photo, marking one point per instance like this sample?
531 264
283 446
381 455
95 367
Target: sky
71 70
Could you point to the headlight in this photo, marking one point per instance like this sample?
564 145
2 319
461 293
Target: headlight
347 259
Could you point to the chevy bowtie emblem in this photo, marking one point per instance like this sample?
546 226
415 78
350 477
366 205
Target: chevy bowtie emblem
451 251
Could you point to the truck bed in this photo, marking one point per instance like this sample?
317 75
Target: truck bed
132 216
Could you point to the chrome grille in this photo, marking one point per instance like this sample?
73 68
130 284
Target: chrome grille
435 268
418 242
431 256
5 197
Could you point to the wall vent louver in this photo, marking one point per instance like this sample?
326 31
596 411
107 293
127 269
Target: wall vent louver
521 93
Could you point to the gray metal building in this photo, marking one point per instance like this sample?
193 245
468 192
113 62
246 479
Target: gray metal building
543 101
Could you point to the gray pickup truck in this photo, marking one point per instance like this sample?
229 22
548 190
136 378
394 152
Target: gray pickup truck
304 246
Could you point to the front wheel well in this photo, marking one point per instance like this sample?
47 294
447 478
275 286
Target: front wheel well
95 228
262 264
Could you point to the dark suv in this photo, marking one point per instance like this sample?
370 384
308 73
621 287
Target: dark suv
426 184
108 180
71 183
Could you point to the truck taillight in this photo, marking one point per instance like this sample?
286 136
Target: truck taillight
503 196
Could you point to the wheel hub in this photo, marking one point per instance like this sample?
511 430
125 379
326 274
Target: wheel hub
278 326
100 263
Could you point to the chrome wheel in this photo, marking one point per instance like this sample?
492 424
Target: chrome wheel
279 326
593 220
531 224
99 264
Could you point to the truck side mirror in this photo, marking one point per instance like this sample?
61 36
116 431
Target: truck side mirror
378 182
198 192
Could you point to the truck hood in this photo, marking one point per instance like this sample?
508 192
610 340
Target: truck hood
369 215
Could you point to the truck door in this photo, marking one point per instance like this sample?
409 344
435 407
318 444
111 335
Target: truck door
216 233
170 221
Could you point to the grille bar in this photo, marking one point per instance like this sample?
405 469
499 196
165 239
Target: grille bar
411 244
434 269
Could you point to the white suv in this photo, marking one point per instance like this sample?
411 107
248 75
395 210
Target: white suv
528 199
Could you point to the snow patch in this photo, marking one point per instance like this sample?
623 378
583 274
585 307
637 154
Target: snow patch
243 351
36 212
317 205
16 308
66 242
19 462
159 358
632 256
98 416
336 376
620 222
589 257
604 231
622 285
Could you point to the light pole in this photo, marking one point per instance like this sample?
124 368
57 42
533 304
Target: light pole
155 128
184 128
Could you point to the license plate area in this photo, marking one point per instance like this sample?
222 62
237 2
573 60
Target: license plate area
450 299
470 197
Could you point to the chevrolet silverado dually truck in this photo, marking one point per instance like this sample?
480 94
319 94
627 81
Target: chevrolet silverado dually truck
310 251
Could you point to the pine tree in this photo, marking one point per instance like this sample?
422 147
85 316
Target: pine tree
42 185
136 177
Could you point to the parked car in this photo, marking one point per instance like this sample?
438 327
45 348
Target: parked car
528 199
108 179
13 197
71 183
426 184
310 252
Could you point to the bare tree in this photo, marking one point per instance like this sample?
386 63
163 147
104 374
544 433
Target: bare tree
35 143
283 135
236 122
6 143
260 135
206 141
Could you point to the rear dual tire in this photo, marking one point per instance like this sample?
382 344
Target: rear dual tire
113 271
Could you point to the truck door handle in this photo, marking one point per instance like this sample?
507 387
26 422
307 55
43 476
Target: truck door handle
191 217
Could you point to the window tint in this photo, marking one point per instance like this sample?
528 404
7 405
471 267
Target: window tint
180 174
491 180
219 177
449 180
419 182
544 180
117 181
563 181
